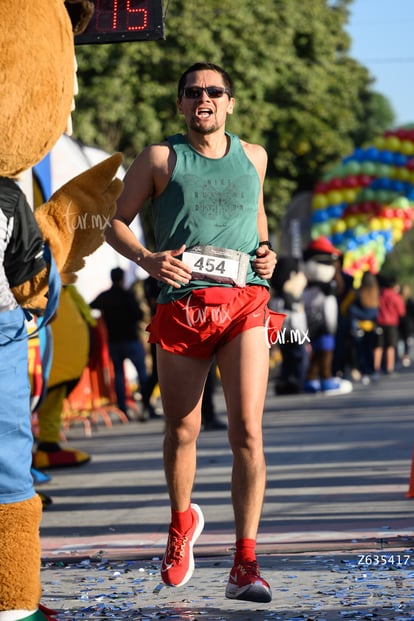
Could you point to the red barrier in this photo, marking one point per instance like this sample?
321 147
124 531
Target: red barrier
94 395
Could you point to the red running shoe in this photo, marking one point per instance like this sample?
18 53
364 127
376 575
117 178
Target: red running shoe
41 614
178 563
245 583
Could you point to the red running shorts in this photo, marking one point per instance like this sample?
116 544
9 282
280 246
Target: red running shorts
201 322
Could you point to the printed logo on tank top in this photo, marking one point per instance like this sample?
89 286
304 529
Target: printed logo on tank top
216 197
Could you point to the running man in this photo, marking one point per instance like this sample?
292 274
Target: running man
213 261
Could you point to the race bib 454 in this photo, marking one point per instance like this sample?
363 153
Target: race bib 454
220 265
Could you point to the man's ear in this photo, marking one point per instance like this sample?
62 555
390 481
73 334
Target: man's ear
179 106
230 107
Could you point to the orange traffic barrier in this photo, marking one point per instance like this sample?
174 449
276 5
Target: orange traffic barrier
410 493
94 395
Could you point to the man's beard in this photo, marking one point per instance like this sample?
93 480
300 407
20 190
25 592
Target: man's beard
204 130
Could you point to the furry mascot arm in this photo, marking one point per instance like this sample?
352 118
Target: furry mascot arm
77 215
72 223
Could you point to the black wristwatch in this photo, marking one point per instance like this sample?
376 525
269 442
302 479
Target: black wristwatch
266 243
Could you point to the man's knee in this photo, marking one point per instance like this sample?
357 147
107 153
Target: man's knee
246 440
182 431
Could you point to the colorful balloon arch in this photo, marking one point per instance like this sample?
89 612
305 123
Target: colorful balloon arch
365 204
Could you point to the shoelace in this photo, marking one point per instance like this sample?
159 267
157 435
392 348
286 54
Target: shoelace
176 545
249 568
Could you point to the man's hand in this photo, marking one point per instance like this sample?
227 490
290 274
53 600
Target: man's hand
164 266
265 262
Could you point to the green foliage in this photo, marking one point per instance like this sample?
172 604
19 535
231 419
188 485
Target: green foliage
297 90
399 262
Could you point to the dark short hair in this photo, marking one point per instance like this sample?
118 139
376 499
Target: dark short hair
117 275
228 82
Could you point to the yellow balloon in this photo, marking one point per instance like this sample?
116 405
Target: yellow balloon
407 147
403 174
339 226
358 277
393 143
351 222
375 224
349 195
348 260
396 235
319 201
397 224
380 142
335 197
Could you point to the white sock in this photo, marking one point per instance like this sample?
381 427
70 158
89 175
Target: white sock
15 615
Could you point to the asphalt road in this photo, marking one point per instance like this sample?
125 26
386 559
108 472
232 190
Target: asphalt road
337 533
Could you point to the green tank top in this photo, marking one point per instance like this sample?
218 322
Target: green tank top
208 202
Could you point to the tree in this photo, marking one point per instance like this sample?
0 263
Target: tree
298 91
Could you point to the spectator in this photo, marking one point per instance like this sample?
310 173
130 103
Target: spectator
208 411
122 312
363 319
406 327
288 283
344 292
151 291
391 309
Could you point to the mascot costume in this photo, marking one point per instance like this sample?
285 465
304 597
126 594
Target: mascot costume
319 266
37 73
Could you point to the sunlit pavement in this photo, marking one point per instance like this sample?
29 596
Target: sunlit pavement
337 531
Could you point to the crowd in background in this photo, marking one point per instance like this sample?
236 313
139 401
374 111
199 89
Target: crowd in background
337 332
370 335
374 328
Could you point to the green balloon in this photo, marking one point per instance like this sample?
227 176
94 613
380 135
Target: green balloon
352 168
368 168
368 195
383 171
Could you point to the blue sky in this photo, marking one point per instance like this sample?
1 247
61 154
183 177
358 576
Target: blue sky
382 34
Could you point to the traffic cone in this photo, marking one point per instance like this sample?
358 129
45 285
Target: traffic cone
410 493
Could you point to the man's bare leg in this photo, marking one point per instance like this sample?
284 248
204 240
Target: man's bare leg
181 382
244 370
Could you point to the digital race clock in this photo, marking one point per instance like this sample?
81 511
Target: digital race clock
124 20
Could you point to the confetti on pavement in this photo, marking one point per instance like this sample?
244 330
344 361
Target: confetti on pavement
324 587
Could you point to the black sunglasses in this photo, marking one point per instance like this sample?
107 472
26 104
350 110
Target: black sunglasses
215 92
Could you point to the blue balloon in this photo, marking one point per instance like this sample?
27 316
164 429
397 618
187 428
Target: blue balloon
381 184
400 159
397 186
337 239
319 215
358 154
386 157
371 154
387 238
336 211
349 234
